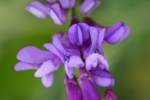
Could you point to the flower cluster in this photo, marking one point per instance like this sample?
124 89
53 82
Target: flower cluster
80 49
58 10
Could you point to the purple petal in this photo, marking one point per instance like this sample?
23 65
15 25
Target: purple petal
94 60
57 41
88 88
32 55
117 33
97 37
72 89
69 70
52 49
89 5
58 14
67 3
103 78
48 80
21 66
38 9
46 68
75 61
78 33
61 46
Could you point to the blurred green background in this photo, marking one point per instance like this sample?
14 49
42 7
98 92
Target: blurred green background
129 61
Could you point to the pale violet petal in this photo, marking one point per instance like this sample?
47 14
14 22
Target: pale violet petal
47 80
91 61
58 14
104 81
38 9
75 61
21 66
46 68
69 70
32 55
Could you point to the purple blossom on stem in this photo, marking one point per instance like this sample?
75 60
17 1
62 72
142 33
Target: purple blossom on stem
32 58
38 9
117 33
52 9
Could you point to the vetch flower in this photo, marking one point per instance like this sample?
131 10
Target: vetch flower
78 33
89 5
32 58
70 58
117 33
67 3
72 89
38 9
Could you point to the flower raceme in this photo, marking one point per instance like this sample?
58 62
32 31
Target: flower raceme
82 49
58 10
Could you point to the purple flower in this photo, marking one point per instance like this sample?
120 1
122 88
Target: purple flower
88 88
94 54
117 33
67 3
72 89
78 33
70 57
52 9
38 9
110 95
57 13
32 58
89 5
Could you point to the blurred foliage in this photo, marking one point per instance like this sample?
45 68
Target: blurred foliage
129 60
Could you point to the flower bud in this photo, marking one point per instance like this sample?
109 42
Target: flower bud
117 33
103 78
88 6
38 9
67 3
58 14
